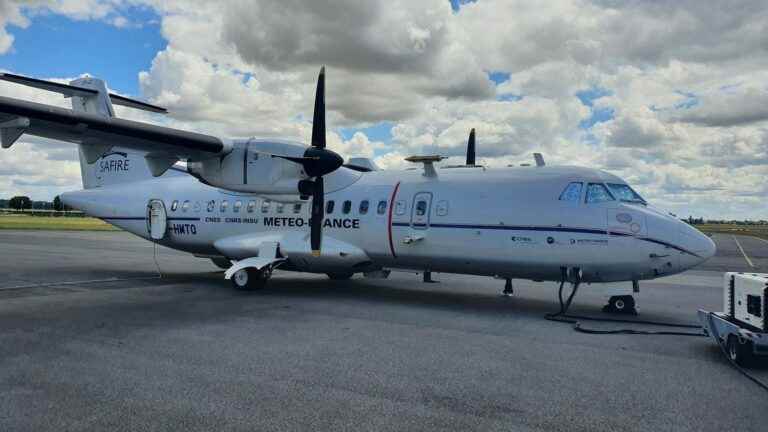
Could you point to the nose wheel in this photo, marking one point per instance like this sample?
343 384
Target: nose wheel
250 279
624 304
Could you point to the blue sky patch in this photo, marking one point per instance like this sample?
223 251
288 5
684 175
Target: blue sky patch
54 46
691 100
378 132
599 115
498 77
456 4
588 96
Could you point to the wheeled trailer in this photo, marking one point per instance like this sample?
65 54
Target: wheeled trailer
742 329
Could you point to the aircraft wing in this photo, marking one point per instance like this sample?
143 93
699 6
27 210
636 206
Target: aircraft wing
18 117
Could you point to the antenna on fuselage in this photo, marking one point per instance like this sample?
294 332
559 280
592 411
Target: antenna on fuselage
428 161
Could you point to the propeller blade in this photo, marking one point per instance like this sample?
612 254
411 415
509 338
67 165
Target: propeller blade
318 211
471 148
318 119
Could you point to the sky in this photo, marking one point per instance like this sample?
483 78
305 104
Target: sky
671 95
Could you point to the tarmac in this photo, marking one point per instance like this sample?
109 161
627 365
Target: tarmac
92 339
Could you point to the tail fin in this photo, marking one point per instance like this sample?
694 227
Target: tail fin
104 164
101 163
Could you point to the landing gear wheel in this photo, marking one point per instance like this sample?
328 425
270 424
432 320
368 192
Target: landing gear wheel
339 276
621 304
738 351
250 279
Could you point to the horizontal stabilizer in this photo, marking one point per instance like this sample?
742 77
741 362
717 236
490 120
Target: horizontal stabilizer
70 91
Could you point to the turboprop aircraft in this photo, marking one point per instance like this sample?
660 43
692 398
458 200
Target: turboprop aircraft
255 205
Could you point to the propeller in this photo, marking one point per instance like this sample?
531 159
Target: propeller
317 161
471 148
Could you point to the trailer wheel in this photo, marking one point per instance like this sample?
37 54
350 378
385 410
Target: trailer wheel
738 351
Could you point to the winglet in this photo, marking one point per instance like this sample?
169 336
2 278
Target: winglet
539 159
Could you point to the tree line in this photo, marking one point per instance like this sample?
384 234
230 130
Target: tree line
21 202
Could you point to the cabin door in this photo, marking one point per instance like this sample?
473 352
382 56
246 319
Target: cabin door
420 211
157 219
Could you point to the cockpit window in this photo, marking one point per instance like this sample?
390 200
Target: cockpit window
597 192
572 192
625 193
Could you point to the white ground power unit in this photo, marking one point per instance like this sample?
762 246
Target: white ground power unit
742 328
745 297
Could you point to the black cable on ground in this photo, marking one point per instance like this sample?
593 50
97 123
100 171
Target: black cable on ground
563 316
715 335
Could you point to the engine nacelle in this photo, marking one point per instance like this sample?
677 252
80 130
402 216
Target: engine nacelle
251 167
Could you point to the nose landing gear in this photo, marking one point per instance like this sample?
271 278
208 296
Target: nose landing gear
624 304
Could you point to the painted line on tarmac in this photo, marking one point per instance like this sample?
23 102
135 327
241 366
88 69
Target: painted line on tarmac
77 282
749 261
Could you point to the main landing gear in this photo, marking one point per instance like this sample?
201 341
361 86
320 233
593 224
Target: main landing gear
251 279
623 304
508 290
427 277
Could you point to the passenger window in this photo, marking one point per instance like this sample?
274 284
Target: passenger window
223 206
382 207
441 209
329 207
400 208
280 207
197 207
251 206
236 206
347 207
363 207
597 192
185 206
421 208
297 208
572 192
265 206
211 205
175 205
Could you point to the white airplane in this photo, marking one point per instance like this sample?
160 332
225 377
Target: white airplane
254 205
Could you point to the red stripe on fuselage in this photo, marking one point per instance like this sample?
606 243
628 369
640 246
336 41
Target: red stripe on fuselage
389 219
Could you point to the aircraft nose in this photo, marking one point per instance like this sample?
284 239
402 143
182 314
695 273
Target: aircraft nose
697 242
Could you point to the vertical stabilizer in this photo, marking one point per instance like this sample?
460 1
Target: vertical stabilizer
104 163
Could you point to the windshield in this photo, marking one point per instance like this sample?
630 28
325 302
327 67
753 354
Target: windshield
625 193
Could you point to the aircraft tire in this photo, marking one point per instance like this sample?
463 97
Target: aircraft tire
621 304
340 276
738 352
249 279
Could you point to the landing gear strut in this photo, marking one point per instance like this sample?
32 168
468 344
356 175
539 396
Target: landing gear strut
508 290
624 304
428 277
251 279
